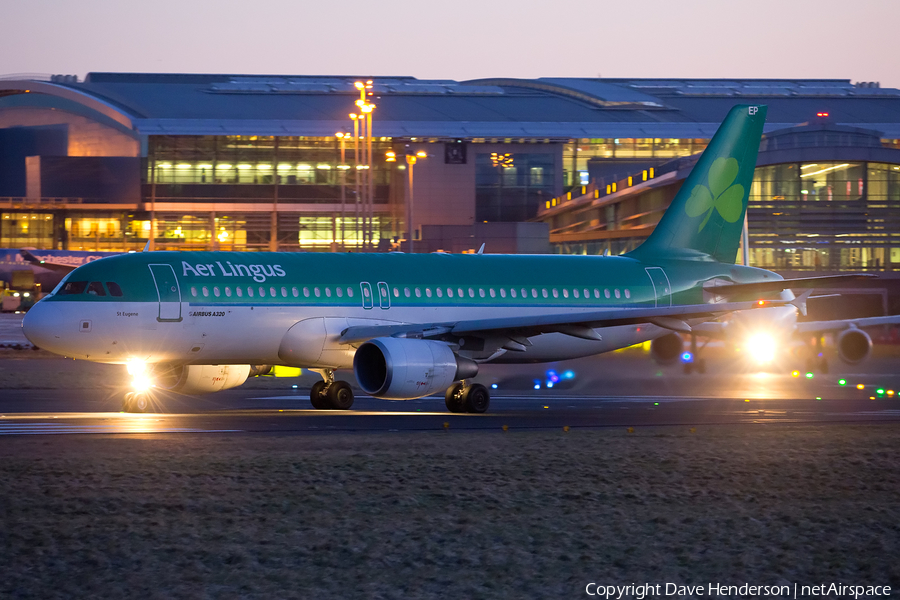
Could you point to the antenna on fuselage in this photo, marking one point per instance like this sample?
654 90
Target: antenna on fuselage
146 247
481 250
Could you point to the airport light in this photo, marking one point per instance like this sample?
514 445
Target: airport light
842 382
761 347
411 161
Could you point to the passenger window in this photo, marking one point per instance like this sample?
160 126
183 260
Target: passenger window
406 292
587 293
471 293
328 292
249 291
228 291
493 293
503 292
512 292
115 290
284 292
627 294
555 293
418 293
575 292
216 292
295 292
73 287
396 292
96 289
449 292
439 291
317 292
534 292
460 292
565 293
193 291
340 292
306 292
205 291
481 292
618 295
273 292
428 292
605 292
262 292
350 292
239 291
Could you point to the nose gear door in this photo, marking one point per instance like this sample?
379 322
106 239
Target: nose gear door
169 292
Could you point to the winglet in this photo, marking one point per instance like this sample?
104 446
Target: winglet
800 301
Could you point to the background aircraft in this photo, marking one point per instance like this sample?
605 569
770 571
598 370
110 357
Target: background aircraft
413 325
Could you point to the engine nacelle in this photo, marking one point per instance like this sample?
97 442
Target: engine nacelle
854 345
667 349
199 379
403 369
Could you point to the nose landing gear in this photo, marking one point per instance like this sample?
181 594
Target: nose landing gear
136 402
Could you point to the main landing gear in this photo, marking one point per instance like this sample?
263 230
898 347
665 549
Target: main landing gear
473 398
330 394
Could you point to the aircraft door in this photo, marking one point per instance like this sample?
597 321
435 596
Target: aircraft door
661 286
384 295
169 292
366 290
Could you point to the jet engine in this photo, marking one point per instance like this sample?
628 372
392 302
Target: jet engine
666 349
403 369
200 379
854 345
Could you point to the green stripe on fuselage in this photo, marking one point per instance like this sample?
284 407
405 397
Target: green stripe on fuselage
196 270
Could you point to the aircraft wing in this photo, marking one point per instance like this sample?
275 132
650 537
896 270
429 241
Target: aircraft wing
841 324
787 284
575 324
57 268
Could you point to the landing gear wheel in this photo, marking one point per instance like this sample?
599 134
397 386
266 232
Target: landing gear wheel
317 398
140 402
454 398
340 396
477 398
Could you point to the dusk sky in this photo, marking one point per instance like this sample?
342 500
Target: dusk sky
461 39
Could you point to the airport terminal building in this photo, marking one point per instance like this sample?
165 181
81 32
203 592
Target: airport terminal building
276 163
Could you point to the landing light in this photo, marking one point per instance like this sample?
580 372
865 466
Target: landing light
761 347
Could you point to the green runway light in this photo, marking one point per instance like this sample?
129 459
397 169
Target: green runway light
818 397
656 404
880 391
842 382
809 375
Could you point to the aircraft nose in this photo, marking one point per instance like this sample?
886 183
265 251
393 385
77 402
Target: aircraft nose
42 325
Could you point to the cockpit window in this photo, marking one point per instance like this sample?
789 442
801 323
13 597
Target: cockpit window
114 289
73 287
96 289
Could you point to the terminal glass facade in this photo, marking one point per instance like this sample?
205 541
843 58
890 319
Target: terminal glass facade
828 216
577 153
511 186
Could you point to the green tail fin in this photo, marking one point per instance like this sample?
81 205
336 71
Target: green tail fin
707 215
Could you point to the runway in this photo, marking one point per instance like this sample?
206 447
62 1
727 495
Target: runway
514 413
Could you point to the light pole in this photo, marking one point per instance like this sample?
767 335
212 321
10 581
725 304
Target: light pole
411 161
370 191
366 109
343 167
355 117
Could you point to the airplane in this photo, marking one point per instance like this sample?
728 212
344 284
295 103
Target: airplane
411 325
768 335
